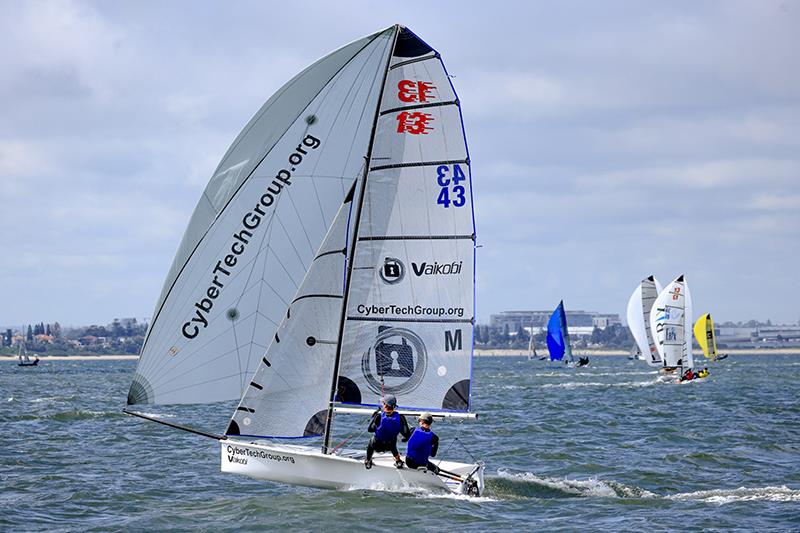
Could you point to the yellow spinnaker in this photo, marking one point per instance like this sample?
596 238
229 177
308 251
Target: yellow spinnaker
704 333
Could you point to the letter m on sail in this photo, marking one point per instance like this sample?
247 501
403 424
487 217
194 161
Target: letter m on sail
452 340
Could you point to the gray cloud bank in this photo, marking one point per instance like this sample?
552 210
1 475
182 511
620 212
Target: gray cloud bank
609 140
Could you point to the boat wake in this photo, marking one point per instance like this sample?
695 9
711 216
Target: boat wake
559 374
452 496
424 493
528 485
742 494
580 384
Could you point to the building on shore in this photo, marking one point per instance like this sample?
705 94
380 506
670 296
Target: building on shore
579 321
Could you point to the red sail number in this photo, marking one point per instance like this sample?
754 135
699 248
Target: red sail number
415 91
414 123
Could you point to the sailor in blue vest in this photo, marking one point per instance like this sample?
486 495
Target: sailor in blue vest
422 445
387 425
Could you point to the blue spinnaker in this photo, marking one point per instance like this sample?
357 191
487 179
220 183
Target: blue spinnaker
555 333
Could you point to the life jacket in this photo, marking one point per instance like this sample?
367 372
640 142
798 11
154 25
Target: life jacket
389 427
419 446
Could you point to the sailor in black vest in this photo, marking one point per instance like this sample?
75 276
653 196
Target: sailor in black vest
423 444
387 425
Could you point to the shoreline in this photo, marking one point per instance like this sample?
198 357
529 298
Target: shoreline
478 353
45 358
625 353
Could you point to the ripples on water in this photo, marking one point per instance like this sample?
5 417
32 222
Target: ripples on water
603 448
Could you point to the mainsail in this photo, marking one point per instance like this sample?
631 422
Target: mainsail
558 343
258 228
638 314
670 320
391 309
704 333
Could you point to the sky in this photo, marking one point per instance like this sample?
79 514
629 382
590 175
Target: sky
609 141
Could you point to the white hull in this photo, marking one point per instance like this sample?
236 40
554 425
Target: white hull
307 466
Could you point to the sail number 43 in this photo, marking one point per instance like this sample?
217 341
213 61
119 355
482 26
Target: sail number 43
451 192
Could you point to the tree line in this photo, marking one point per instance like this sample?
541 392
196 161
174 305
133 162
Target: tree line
52 339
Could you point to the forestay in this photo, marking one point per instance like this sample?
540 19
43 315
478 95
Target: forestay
670 320
638 315
258 227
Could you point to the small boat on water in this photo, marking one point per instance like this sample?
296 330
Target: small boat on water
704 333
329 262
532 348
24 358
635 354
558 342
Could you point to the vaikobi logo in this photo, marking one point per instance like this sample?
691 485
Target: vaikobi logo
437 269
392 270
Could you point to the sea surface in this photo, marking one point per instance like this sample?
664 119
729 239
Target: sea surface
603 448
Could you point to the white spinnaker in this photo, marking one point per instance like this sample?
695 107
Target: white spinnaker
668 322
638 315
289 393
315 130
410 307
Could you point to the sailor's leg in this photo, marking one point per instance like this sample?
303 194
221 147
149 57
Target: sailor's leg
370 448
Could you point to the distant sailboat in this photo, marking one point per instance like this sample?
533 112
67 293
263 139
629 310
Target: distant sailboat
532 346
24 358
704 333
670 320
635 353
330 261
638 314
558 342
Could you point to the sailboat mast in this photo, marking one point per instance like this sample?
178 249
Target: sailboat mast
351 252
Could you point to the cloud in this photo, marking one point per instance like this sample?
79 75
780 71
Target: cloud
607 141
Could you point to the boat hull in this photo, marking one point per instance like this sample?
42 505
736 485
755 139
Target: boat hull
307 466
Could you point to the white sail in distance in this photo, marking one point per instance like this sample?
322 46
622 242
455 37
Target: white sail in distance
258 227
670 321
638 315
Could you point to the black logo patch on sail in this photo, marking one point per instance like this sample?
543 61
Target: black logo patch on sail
396 361
392 271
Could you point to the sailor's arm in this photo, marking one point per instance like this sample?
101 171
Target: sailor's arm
434 445
374 422
405 431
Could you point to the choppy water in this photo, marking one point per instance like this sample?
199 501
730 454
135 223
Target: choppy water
605 448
